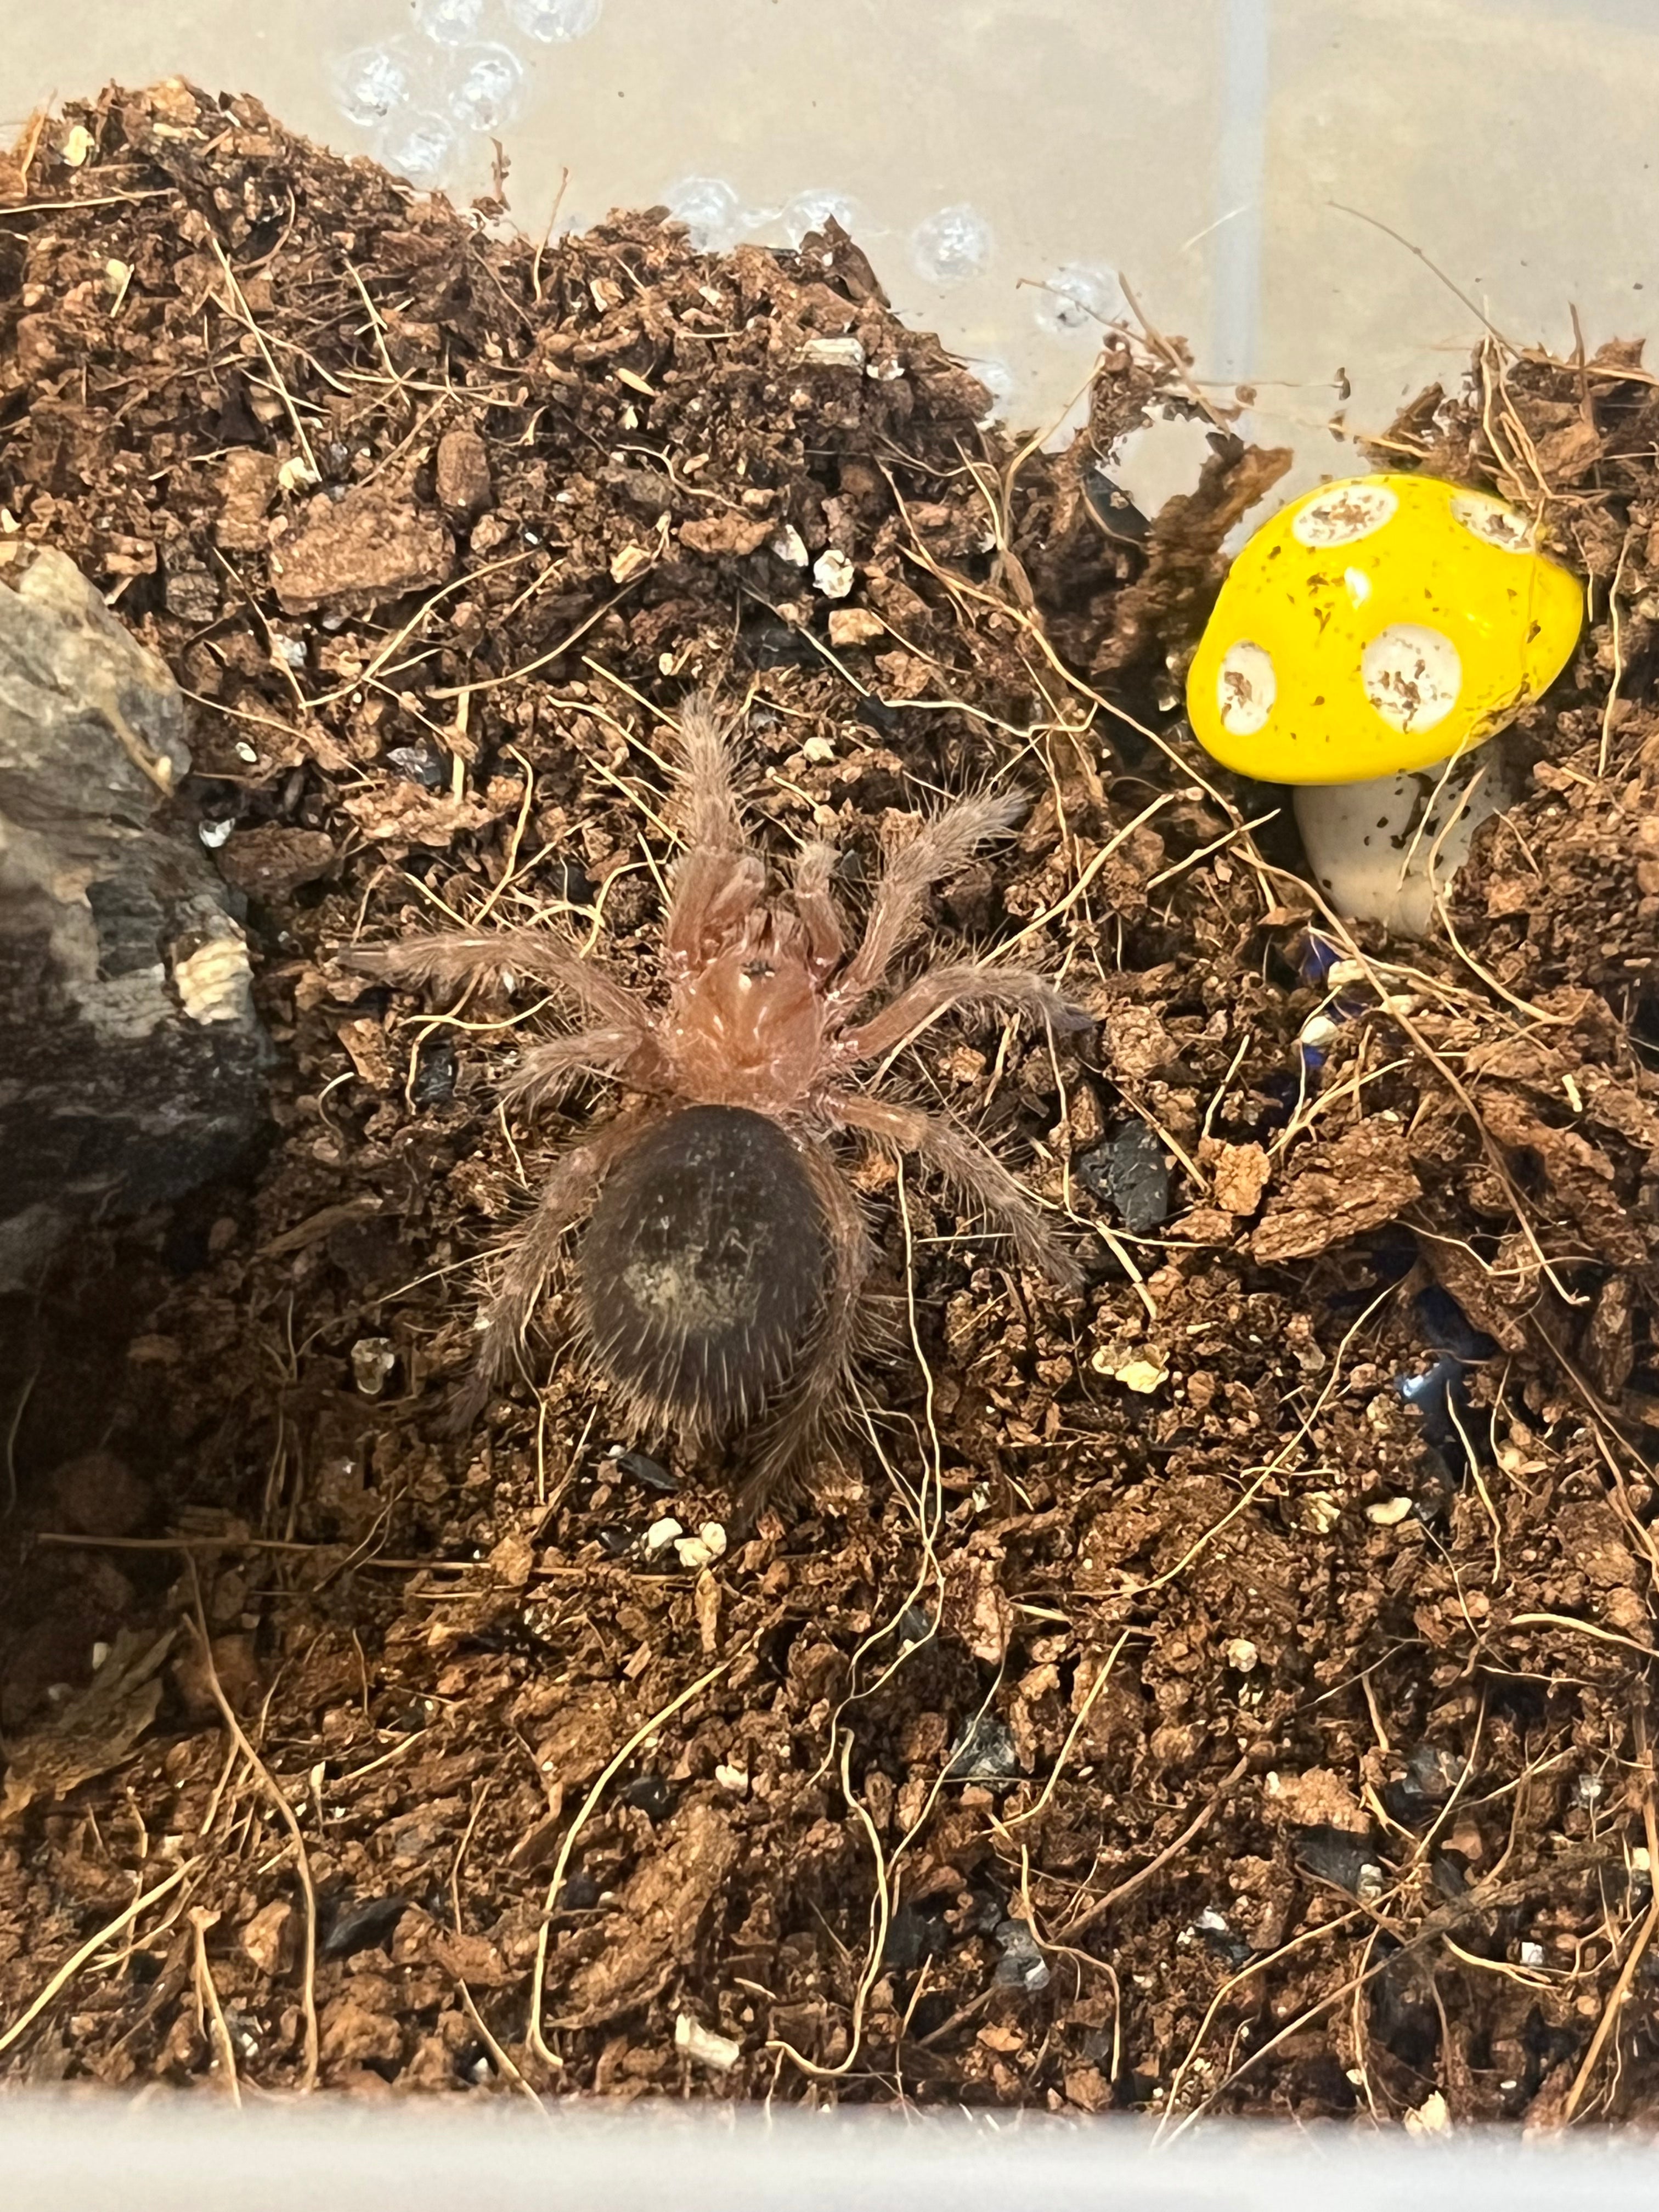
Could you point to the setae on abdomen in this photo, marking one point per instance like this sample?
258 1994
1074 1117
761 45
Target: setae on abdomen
703 1268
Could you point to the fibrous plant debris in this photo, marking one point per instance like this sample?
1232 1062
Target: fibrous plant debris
1227 1691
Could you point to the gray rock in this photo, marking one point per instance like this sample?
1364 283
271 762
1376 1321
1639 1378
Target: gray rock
130 1057
1130 1172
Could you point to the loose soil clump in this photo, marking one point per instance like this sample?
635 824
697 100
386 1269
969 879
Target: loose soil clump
1225 1690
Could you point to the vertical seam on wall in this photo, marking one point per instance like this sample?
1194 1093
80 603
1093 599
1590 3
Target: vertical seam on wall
1241 171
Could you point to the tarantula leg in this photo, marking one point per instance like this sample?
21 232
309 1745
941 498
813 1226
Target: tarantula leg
820 1386
710 818
969 983
546 1070
528 1255
820 918
453 956
716 879
971 1169
944 847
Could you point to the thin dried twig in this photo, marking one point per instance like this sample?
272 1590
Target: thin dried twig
196 1621
200 1920
1206 1812
1608 2023
77 1959
538 1978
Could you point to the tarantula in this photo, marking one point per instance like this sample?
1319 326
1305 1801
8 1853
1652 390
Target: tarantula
723 1270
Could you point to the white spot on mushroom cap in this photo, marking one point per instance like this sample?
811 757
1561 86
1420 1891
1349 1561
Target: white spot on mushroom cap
1358 584
1412 674
1343 513
1490 520
1245 688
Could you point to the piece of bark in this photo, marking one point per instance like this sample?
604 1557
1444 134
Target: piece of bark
376 543
1338 1191
461 475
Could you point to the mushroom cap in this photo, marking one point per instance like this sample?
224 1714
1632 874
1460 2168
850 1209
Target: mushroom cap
1377 625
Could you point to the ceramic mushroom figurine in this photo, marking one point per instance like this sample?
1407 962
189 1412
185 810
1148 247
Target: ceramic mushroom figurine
1367 640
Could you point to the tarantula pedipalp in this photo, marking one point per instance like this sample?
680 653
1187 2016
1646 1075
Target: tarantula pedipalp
723 1267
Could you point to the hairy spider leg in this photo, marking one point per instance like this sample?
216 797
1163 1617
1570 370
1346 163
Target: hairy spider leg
820 917
717 881
942 847
547 1071
454 958
970 984
528 1255
966 1164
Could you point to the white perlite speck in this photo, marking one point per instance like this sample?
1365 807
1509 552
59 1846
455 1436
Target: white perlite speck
703 2046
833 573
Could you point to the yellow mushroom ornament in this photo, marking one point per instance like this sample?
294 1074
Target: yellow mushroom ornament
1370 635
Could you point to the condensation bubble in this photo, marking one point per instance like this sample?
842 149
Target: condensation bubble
451 22
1000 382
952 245
1061 435
811 210
487 96
555 21
419 148
373 82
709 209
1079 297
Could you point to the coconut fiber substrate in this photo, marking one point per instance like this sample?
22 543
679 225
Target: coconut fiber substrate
1225 1688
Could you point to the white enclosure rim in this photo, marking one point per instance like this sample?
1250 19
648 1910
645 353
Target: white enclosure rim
92 2154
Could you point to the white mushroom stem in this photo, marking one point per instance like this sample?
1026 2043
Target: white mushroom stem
1387 850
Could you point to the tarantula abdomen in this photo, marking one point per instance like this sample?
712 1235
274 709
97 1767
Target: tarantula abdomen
703 1269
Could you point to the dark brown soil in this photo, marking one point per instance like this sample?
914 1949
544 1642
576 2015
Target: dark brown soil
1156 1709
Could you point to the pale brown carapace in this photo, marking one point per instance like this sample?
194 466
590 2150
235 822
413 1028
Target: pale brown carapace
723 1270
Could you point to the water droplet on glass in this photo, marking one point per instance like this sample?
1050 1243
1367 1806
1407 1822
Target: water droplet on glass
487 96
451 22
1000 381
811 210
372 83
710 210
1079 297
418 148
555 21
952 245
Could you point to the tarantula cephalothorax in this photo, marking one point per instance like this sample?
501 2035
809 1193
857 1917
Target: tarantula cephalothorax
722 1271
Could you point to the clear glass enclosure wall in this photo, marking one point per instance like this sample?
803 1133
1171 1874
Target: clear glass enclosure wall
1014 167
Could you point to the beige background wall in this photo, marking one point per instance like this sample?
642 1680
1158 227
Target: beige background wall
989 148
